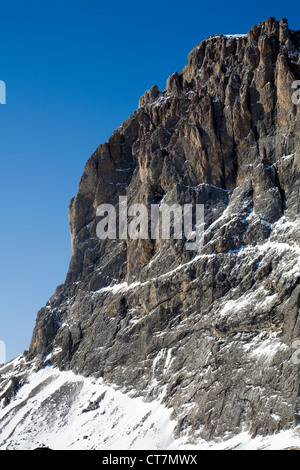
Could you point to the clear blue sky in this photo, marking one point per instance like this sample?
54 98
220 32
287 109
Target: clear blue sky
74 70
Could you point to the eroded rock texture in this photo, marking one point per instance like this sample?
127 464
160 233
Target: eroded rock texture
210 332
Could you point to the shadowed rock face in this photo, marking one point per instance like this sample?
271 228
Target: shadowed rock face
211 332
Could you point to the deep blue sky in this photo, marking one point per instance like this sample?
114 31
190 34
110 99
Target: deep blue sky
74 70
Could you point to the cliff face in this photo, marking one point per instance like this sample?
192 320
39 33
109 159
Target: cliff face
211 333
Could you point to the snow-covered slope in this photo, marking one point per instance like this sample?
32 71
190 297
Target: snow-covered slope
65 411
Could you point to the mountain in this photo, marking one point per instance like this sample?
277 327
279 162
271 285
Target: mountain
203 344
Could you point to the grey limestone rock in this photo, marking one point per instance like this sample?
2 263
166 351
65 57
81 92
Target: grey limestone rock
213 330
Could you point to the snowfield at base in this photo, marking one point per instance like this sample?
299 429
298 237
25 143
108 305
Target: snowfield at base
52 409
65 411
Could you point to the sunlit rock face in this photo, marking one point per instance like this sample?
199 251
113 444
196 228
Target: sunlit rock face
210 333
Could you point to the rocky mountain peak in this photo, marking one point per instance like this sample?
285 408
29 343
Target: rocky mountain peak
210 333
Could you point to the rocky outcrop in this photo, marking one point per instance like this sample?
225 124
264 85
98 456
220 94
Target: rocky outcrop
210 333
